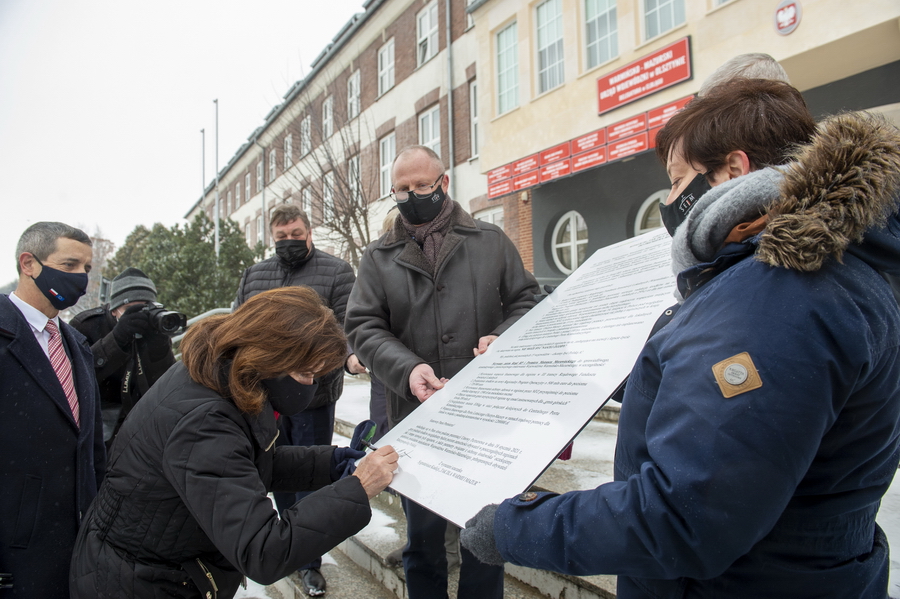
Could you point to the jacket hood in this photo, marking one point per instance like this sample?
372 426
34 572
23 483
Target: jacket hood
842 184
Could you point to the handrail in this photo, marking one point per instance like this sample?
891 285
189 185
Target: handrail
198 318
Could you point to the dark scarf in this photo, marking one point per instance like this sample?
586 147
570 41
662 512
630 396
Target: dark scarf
430 236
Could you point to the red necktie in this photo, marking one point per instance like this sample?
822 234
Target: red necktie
60 362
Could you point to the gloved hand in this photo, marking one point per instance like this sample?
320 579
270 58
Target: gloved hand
343 462
133 321
478 536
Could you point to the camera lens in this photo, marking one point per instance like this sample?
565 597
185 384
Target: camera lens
169 323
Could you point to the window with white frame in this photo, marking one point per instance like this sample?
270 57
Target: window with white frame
305 136
247 230
328 196
327 117
237 194
386 67
430 129
648 217
470 20
353 178
507 69
353 95
570 237
551 68
387 151
247 187
227 203
661 16
427 33
260 229
306 201
288 151
491 215
259 175
473 118
601 31
272 158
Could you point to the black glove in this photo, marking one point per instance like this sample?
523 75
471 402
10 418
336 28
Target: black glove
133 322
343 462
478 536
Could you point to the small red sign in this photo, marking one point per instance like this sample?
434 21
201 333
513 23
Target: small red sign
659 70
499 189
590 141
660 116
527 180
652 136
629 146
523 165
555 153
556 170
588 159
624 129
498 174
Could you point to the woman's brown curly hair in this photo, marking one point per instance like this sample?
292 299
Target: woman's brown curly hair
274 333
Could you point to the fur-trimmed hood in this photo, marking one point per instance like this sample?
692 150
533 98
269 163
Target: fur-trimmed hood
843 183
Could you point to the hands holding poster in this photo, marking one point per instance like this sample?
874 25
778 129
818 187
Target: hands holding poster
497 425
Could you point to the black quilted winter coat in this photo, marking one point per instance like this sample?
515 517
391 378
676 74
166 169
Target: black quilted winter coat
187 480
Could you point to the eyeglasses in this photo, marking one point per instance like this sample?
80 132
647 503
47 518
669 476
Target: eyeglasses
402 196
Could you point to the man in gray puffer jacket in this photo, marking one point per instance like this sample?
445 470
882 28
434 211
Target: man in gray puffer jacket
298 262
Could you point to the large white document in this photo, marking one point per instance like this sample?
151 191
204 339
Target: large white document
497 425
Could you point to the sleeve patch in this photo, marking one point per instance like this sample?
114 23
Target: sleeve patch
736 375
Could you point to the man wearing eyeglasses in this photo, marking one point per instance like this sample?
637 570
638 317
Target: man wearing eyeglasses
433 292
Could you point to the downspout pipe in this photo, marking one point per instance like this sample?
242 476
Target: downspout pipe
450 126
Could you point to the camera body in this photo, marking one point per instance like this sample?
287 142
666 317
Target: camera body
165 321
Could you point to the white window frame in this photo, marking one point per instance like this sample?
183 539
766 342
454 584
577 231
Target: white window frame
327 117
430 128
306 201
650 204
550 59
492 215
386 67
247 230
260 233
237 193
259 174
353 183
228 203
353 95
387 151
288 150
273 156
247 187
507 68
658 12
305 135
328 196
426 34
600 46
470 20
570 218
473 118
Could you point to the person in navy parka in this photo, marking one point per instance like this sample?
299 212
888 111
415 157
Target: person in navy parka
759 428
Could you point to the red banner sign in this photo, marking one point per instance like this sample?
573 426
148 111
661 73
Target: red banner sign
624 129
652 136
659 70
523 165
499 189
589 141
588 159
555 153
556 170
527 180
627 147
660 116
498 174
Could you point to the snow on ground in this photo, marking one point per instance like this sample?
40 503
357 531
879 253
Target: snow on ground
591 463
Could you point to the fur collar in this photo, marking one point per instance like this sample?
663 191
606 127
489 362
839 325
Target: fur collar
843 183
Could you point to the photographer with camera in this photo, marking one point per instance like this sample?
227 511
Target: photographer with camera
131 339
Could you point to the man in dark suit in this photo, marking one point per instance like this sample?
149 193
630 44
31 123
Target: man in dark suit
51 439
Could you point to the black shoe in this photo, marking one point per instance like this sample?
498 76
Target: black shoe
313 582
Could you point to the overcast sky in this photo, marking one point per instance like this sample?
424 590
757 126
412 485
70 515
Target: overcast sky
102 102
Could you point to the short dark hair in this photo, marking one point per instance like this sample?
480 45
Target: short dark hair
286 213
39 239
766 119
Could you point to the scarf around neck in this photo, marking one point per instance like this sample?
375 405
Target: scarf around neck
430 236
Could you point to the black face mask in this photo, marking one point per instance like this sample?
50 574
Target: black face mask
292 251
62 288
676 213
419 210
287 396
